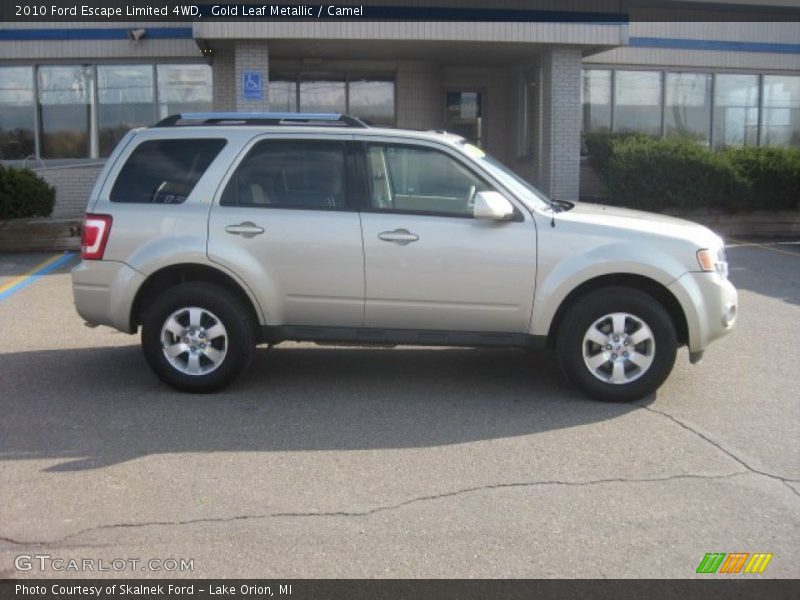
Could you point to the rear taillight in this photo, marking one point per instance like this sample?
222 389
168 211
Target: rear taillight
95 235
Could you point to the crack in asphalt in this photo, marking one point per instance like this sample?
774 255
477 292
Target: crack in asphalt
784 480
371 511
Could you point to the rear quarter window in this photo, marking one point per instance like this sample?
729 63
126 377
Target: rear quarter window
164 171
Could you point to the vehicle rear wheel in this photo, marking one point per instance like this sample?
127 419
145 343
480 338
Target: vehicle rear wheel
617 344
197 337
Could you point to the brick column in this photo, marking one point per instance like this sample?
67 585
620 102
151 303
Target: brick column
558 162
251 56
420 103
223 67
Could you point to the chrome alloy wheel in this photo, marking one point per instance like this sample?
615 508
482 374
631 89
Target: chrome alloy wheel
618 348
194 340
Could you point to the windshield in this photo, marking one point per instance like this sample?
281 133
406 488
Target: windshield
521 188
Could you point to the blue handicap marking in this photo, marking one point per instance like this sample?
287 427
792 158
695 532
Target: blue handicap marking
252 85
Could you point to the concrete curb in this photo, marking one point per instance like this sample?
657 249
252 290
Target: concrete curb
40 235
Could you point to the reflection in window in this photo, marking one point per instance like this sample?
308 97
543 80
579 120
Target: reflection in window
687 109
290 174
125 94
65 100
319 95
781 110
596 100
282 94
638 102
17 113
736 110
373 100
412 179
183 88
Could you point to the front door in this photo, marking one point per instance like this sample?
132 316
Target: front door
428 263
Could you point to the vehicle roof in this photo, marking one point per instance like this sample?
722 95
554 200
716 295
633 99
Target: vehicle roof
193 130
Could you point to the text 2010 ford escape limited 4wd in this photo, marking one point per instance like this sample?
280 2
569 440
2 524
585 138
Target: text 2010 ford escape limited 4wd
215 232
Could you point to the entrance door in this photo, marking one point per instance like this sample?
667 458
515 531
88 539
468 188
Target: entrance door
464 116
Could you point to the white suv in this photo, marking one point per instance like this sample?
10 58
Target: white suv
215 232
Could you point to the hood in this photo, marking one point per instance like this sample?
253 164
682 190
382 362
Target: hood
637 221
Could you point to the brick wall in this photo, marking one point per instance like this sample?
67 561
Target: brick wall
419 100
224 74
73 185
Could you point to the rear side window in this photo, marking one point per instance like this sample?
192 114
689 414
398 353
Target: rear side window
164 171
301 174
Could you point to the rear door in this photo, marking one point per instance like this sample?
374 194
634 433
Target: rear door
284 220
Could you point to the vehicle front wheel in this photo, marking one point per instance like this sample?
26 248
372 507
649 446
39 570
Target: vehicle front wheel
197 337
617 344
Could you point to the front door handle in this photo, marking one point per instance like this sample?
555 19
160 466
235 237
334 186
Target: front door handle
399 236
247 229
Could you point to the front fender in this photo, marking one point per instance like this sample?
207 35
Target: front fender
557 278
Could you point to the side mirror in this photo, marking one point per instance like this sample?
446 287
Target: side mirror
492 206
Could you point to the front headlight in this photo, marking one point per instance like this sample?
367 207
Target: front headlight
711 261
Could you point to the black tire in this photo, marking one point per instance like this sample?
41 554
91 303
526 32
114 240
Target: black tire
231 313
584 313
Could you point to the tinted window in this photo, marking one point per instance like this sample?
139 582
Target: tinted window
290 174
164 171
416 179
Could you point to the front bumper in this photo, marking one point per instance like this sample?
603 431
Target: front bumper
103 291
710 304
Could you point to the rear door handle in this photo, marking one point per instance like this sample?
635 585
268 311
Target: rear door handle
399 236
247 229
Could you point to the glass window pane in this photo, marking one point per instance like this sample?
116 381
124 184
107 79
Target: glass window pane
282 94
410 179
322 95
17 112
638 102
183 88
688 105
372 98
290 174
65 97
781 110
735 110
596 100
126 95
164 171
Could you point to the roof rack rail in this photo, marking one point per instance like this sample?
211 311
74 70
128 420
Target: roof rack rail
248 118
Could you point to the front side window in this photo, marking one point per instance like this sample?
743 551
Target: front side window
420 180
302 174
164 171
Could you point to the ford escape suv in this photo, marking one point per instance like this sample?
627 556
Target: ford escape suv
215 232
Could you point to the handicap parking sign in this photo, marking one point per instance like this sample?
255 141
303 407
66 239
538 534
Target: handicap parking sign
252 85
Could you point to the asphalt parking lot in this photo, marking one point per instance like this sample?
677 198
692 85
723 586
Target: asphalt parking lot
348 462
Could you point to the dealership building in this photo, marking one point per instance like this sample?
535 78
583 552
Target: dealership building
525 84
